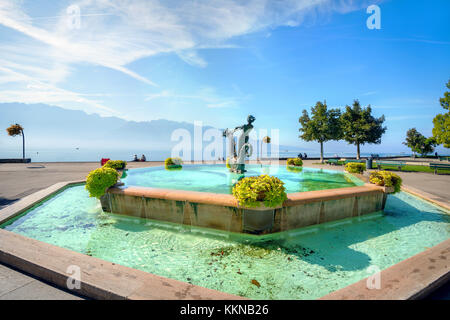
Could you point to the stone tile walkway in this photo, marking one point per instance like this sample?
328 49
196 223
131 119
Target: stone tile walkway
15 285
20 180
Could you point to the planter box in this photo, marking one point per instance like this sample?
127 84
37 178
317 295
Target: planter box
294 168
386 190
173 166
257 221
260 207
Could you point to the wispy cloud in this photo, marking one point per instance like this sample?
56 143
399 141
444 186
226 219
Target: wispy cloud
225 104
38 92
207 96
115 33
369 93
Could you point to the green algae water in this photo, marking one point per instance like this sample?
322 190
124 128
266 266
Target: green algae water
305 263
217 179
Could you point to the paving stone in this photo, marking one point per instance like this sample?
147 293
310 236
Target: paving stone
37 290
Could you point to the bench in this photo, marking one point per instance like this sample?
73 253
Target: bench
444 158
353 160
332 161
437 166
398 164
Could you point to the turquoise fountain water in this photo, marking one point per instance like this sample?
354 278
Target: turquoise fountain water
217 179
300 264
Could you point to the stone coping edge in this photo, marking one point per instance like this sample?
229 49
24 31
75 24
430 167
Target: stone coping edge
425 196
99 279
410 279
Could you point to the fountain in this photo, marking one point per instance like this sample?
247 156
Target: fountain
201 195
244 148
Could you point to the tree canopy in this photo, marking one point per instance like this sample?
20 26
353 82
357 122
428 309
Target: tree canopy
445 100
359 126
441 130
322 126
418 142
15 130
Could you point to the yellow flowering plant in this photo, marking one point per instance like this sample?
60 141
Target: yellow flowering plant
386 179
297 162
173 163
227 163
115 164
252 191
355 167
99 180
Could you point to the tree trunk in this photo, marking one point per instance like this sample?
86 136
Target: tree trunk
321 152
23 145
357 151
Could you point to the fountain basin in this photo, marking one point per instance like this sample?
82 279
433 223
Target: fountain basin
310 262
315 196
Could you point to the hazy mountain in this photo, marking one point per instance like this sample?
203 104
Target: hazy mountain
58 134
50 126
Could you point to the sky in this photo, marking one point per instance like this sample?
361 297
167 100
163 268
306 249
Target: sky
218 61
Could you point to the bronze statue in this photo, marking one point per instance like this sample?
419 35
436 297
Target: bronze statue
244 148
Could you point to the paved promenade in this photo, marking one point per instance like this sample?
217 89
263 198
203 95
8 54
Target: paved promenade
20 180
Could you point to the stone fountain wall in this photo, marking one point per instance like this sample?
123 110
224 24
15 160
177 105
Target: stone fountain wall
221 211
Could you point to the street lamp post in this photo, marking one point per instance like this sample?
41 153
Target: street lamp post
266 140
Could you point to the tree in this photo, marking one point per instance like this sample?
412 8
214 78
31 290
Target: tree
441 130
419 143
360 127
17 130
322 126
428 146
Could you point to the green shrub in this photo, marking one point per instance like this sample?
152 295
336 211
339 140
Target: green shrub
294 169
355 167
386 179
173 163
251 191
294 162
115 164
99 180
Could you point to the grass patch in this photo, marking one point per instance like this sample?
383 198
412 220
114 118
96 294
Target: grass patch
414 168
406 168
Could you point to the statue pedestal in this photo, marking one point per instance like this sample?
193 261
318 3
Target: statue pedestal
238 168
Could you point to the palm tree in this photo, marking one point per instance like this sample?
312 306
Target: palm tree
17 130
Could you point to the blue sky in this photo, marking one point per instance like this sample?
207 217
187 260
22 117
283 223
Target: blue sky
218 61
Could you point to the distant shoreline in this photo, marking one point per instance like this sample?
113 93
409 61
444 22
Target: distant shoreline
221 161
